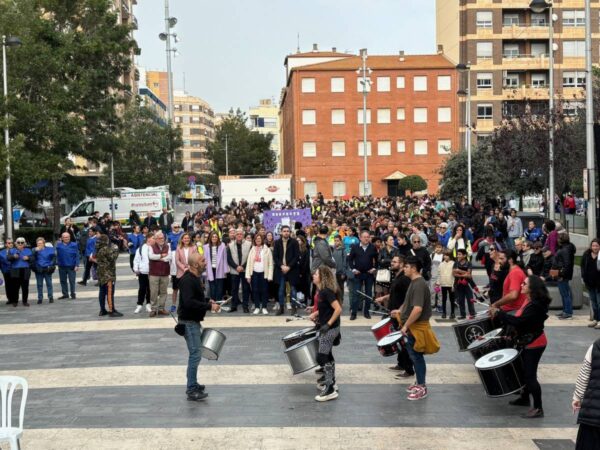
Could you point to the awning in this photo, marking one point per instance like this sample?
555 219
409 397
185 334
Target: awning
397 175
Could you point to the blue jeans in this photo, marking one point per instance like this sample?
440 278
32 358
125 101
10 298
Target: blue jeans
282 282
65 273
362 282
417 359
260 289
193 335
216 289
595 302
107 292
40 278
566 296
236 280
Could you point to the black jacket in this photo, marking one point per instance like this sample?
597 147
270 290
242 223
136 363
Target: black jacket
292 253
362 260
564 260
529 323
536 264
423 255
589 270
192 303
589 413
398 290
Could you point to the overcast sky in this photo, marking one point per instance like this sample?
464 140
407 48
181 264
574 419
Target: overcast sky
232 51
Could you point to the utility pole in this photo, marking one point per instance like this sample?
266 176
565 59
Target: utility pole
589 126
365 85
226 154
168 24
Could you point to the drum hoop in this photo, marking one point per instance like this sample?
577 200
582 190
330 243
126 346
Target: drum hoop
300 344
501 365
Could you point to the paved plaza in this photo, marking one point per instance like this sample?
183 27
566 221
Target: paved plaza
103 383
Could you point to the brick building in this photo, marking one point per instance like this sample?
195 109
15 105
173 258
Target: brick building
412 121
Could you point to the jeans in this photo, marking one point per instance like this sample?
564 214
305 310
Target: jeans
566 296
40 278
417 359
362 282
193 334
236 280
107 293
595 302
216 289
282 282
65 273
463 295
260 289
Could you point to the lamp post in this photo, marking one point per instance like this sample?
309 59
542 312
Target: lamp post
170 22
589 125
539 6
226 154
366 82
7 41
467 68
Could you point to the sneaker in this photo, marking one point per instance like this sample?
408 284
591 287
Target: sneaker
82 283
115 313
50 300
533 414
62 297
560 314
327 394
566 317
597 327
196 396
138 309
173 308
256 311
395 368
265 312
152 314
148 307
411 388
103 313
418 394
353 316
593 324
275 307
322 386
403 375
288 306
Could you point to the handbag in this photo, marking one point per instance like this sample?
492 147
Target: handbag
554 273
383 276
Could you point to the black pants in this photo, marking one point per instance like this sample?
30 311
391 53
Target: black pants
341 279
131 258
405 362
88 267
143 289
588 437
447 294
9 287
21 281
463 295
531 359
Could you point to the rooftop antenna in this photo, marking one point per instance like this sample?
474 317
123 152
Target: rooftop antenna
298 47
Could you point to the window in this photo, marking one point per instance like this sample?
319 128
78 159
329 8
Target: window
195 144
570 108
309 117
511 80
361 115
420 147
310 188
195 131
337 85
401 146
194 107
484 111
510 20
308 85
484 19
401 114
338 149
573 18
309 149
178 119
539 20
178 107
573 79
420 83
484 50
359 84
361 147
384 148
444 82
194 119
384 116
573 49
420 115
510 50
444 146
444 114
196 155
338 117
400 84
339 188
383 84
538 80
484 80
539 49
361 188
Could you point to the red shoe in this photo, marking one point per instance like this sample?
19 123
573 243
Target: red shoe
418 394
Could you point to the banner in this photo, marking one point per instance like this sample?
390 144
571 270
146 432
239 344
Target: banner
275 219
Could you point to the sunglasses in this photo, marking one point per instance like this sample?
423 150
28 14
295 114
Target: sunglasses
416 242
20 243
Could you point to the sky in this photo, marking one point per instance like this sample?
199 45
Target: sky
232 51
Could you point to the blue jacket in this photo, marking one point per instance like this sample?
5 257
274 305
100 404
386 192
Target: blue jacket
45 258
136 240
444 238
5 264
533 235
174 239
68 254
19 262
90 247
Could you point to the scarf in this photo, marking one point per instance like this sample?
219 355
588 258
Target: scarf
258 253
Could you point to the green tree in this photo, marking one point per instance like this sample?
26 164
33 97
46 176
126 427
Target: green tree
412 183
249 152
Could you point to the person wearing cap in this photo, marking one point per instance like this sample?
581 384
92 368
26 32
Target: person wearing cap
20 258
106 257
67 258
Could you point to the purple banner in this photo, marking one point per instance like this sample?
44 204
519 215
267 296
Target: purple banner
274 219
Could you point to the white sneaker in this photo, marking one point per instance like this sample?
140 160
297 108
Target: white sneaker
148 307
289 306
275 307
592 324
138 308
256 311
265 312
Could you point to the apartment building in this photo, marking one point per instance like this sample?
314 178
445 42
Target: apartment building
507 46
158 82
411 121
264 119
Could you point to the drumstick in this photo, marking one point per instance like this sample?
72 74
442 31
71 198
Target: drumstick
379 313
294 300
296 317
364 295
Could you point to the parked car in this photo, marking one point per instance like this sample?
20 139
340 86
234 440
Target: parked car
34 219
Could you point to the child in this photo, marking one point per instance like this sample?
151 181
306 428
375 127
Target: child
445 280
462 288
436 259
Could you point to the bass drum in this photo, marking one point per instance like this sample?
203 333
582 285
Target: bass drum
298 336
303 356
488 343
501 372
466 331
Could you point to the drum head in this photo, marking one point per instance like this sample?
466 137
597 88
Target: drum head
496 359
390 339
381 323
297 333
484 339
300 344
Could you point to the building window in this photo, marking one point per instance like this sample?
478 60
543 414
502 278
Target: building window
361 147
444 114
510 51
337 84
309 149
177 119
401 146
484 111
400 114
538 20
570 108
420 83
444 146
308 85
573 49
400 83
539 49
196 155
573 18
195 131
511 19
484 19
484 50
361 188
339 188
484 80
195 108
359 85
511 80
360 116
338 117
538 80
383 84
573 79
384 115
195 144
178 107
195 119
310 188
384 148
420 115
420 147
338 149
309 117
444 82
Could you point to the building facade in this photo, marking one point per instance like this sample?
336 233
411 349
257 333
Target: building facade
264 119
507 46
411 122
158 82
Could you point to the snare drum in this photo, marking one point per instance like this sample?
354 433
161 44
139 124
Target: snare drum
382 328
488 343
501 372
466 331
298 336
390 345
303 356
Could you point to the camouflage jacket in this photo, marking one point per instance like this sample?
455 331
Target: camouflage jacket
106 257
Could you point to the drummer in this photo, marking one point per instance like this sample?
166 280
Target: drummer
512 296
526 327
192 309
326 313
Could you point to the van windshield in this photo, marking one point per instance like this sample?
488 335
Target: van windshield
86 209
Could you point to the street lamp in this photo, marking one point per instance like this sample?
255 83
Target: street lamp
366 82
7 41
589 126
170 22
467 68
539 6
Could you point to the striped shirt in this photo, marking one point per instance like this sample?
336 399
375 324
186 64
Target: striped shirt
584 376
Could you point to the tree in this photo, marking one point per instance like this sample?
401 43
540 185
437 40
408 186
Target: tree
412 183
249 152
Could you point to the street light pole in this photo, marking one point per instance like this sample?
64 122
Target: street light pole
168 26
226 155
589 125
467 68
363 54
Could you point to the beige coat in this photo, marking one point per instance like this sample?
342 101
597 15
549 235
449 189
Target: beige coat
267 258
445 277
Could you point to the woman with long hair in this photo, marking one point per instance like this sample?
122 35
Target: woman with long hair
216 265
185 247
526 328
459 241
590 272
259 271
141 268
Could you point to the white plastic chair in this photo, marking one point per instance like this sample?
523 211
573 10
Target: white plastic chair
8 386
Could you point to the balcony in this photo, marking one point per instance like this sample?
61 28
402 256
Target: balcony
484 125
525 62
134 23
526 32
125 13
515 4
525 92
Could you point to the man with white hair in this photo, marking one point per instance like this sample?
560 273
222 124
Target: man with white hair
159 255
